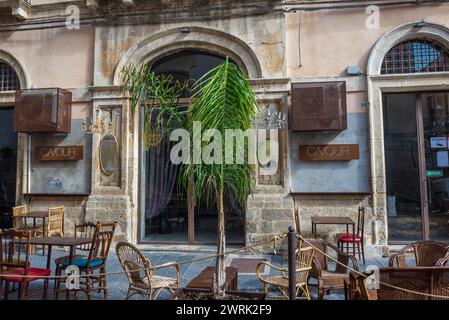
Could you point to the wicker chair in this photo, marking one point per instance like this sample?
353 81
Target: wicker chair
330 279
144 281
426 253
304 265
416 282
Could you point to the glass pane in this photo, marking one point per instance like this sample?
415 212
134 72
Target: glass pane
402 167
206 222
8 163
436 132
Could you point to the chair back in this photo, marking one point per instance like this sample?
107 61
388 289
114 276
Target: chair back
427 253
297 221
304 257
101 242
85 230
18 216
322 246
424 280
55 222
14 249
361 222
134 263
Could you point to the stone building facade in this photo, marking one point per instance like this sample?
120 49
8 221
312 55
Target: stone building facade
277 43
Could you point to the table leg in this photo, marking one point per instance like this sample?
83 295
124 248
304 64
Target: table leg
47 280
347 244
70 263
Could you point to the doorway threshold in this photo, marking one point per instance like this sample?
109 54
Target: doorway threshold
210 249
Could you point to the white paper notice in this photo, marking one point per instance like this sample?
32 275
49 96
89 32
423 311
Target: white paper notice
438 142
442 159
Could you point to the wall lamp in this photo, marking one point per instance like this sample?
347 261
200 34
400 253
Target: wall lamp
420 24
184 29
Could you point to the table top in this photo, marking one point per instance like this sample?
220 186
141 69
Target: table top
205 278
60 241
37 214
332 220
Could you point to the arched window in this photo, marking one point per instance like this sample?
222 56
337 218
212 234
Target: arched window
416 56
187 65
9 81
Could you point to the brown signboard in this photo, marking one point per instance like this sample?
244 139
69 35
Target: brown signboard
59 153
329 152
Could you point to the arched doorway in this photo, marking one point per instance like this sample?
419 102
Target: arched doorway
410 129
169 214
9 82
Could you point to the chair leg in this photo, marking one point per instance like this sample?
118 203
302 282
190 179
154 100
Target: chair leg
320 294
5 297
363 252
24 290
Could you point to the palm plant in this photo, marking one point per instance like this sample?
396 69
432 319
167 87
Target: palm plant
159 96
223 99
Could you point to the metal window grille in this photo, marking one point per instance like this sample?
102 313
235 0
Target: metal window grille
9 81
416 56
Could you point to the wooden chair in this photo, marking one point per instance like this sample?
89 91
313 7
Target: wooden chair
84 230
426 253
330 278
20 223
95 261
144 282
14 261
304 257
357 240
55 222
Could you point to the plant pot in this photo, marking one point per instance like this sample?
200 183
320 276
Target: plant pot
203 294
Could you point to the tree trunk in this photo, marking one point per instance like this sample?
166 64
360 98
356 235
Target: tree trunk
220 274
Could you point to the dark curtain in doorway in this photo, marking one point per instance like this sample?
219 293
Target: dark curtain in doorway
160 179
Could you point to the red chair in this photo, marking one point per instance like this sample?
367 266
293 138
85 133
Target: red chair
14 261
357 240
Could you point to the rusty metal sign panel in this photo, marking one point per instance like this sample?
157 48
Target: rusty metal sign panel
329 152
59 153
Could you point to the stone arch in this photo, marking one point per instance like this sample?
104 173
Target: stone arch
404 32
24 78
169 41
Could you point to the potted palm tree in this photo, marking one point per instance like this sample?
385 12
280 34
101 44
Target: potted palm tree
223 99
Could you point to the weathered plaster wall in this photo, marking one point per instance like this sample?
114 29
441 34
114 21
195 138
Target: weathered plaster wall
53 57
331 40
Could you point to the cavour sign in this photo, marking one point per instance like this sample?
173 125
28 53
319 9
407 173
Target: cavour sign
329 152
59 153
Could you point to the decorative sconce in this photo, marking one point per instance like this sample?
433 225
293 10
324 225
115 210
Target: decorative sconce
100 124
271 120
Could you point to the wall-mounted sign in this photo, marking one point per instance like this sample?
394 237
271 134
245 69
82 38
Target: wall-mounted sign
329 152
59 153
434 173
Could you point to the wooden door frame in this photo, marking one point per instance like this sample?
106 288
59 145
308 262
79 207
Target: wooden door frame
422 167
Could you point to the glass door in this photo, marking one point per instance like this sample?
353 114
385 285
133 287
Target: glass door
435 117
402 167
416 139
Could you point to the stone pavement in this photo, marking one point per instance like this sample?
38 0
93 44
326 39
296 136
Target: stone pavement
118 284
